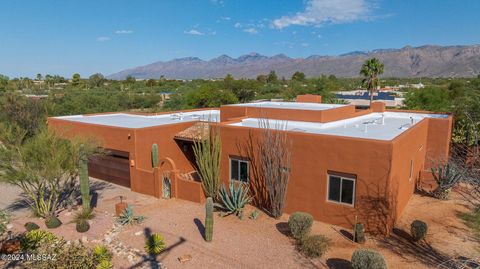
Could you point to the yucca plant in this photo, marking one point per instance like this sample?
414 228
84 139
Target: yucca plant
235 199
446 176
127 217
154 244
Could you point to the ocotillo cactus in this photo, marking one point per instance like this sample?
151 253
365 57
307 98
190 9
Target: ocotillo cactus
209 219
84 181
154 155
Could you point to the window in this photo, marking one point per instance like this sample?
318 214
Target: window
238 170
341 189
411 171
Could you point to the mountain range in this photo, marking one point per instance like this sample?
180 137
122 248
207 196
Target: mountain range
424 61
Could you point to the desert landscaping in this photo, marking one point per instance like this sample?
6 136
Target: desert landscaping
260 242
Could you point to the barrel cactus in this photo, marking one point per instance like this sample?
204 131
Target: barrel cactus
154 155
209 219
52 222
30 226
82 226
418 230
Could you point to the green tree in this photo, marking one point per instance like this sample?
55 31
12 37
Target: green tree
228 81
96 80
370 70
430 98
25 113
130 81
150 83
45 167
3 81
272 77
262 79
76 79
298 76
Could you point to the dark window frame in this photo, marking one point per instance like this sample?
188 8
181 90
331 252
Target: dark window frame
239 161
342 177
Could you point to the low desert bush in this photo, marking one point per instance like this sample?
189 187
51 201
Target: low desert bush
52 222
300 224
32 239
418 230
101 253
155 244
314 246
368 259
4 220
30 226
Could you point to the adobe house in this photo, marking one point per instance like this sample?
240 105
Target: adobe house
347 165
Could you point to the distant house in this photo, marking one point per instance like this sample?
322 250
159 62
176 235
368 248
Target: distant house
347 165
362 97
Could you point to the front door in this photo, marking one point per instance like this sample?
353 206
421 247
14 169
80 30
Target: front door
166 187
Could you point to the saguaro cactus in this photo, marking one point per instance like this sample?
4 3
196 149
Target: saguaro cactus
209 219
84 180
154 155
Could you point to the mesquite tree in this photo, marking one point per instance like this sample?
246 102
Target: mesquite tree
275 159
207 156
45 167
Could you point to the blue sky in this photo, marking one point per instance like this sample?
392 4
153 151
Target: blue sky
64 37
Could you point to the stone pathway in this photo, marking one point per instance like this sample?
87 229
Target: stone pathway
132 255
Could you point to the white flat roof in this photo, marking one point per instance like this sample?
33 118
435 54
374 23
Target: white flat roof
142 121
378 126
291 105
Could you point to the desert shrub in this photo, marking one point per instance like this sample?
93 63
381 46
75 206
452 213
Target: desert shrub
368 259
32 239
101 253
359 232
44 166
4 220
235 199
104 265
73 255
154 244
52 222
127 217
418 230
314 246
30 226
300 224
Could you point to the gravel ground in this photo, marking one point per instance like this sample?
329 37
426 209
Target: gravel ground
262 243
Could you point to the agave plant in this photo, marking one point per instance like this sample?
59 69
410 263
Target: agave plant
235 199
446 176
127 217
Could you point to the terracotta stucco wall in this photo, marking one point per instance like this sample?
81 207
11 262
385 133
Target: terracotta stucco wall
343 112
309 98
438 144
410 146
312 157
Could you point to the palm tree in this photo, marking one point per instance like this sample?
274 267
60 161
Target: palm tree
370 70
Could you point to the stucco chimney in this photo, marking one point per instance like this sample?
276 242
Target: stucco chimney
378 107
309 98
